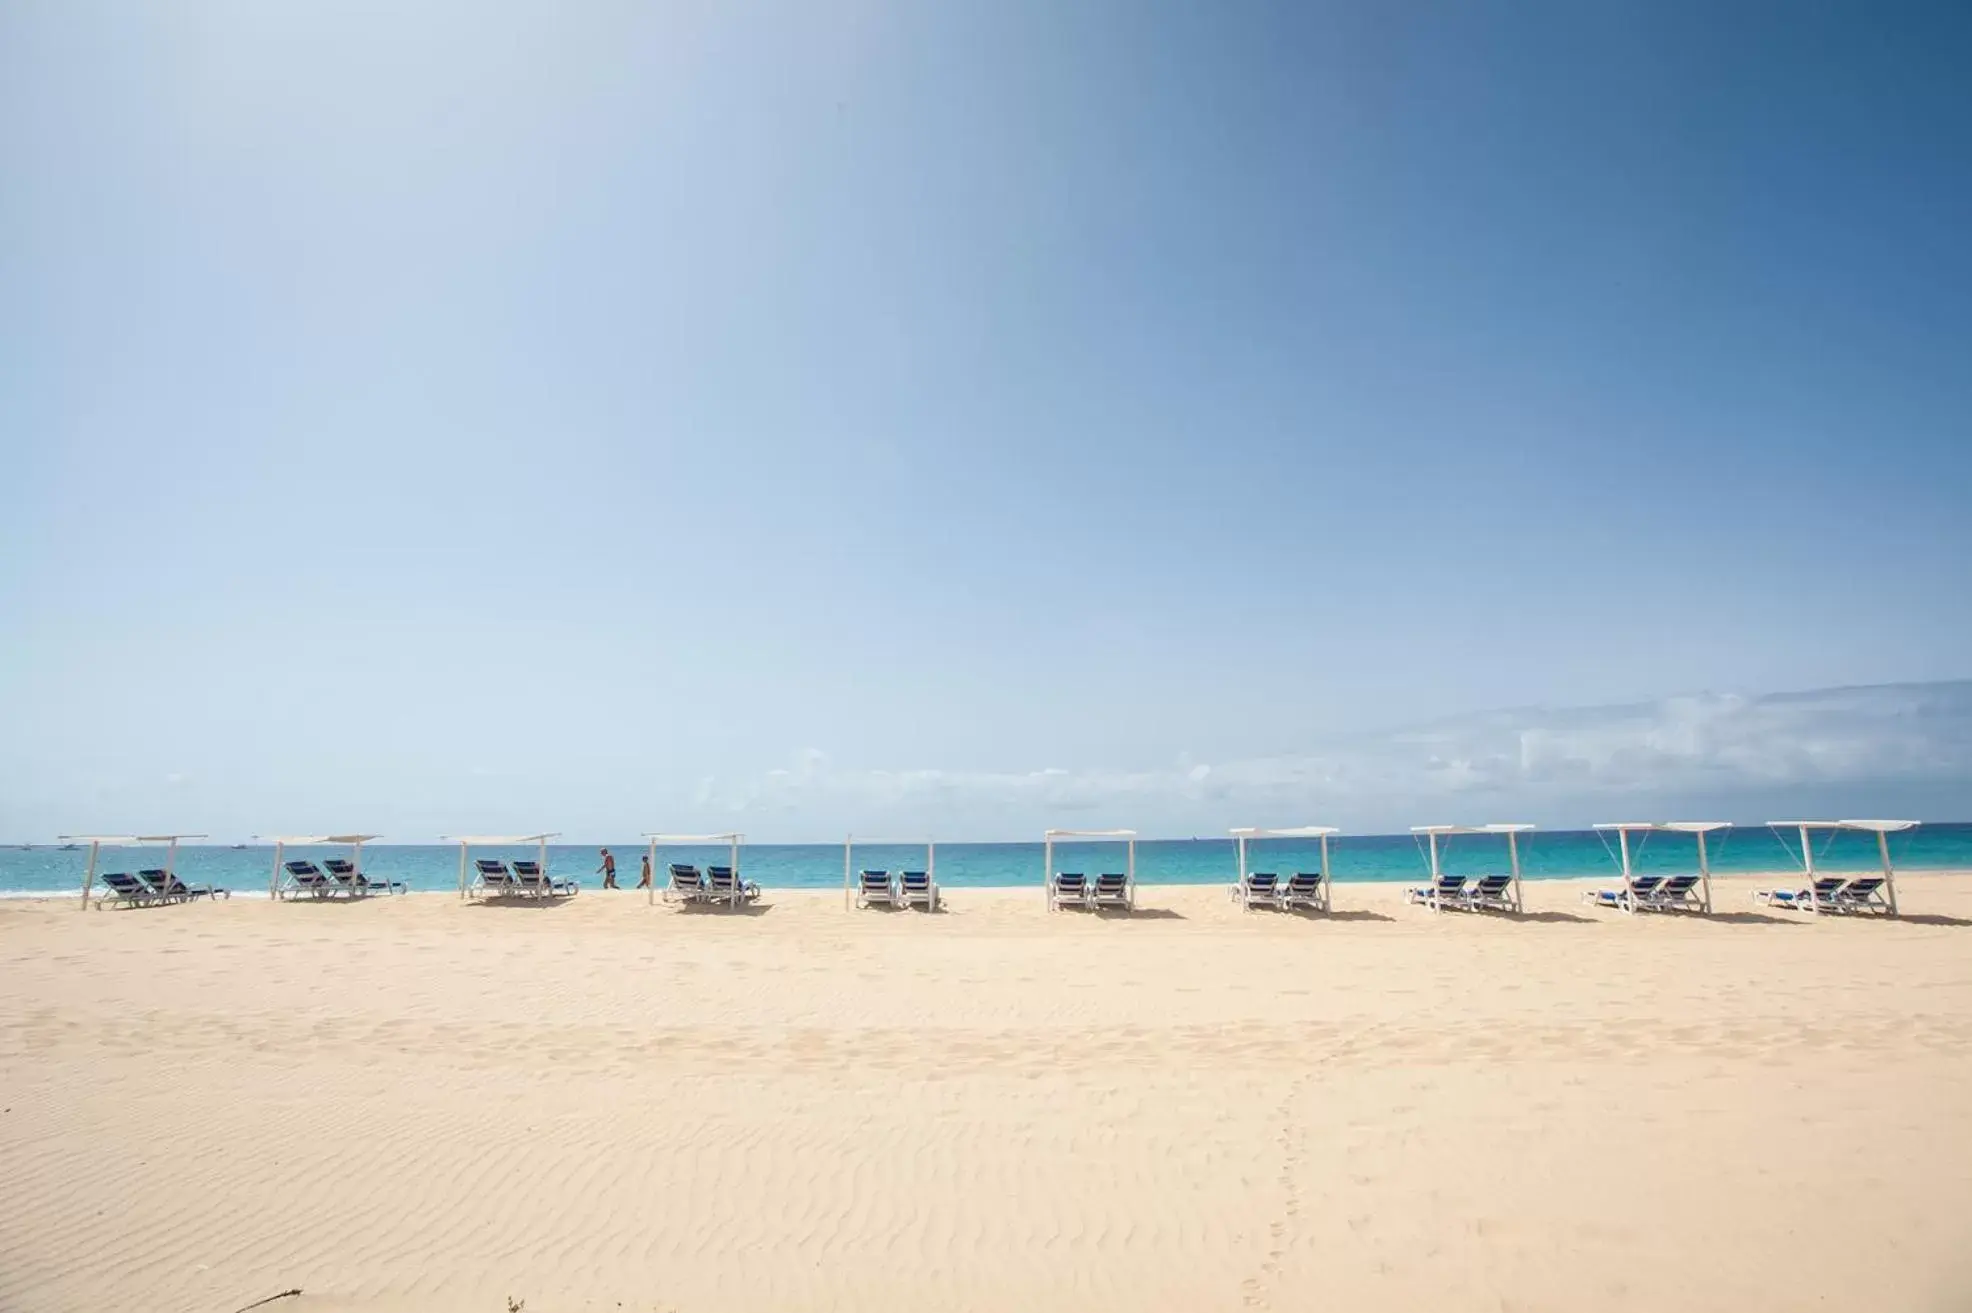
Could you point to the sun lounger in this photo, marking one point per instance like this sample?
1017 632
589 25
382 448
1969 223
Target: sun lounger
536 883
169 888
125 890
1639 888
1260 889
1821 896
1112 889
1677 894
495 880
1305 889
348 878
723 885
874 888
1068 889
1489 894
306 878
1445 891
917 889
1864 896
687 885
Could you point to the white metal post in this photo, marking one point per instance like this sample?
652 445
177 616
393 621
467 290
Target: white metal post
1808 859
1327 880
848 854
541 862
1243 902
274 880
931 873
1889 876
1513 856
650 894
1047 868
89 876
356 860
171 863
1629 883
1130 879
732 858
462 869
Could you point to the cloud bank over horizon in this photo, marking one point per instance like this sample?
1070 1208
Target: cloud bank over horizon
1896 748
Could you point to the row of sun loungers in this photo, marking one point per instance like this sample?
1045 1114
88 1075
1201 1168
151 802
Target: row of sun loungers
908 889
1833 893
1651 893
305 879
1303 889
153 886
1487 893
524 880
1111 889
718 885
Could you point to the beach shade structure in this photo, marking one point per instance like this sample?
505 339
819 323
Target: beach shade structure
731 842
1244 835
280 883
930 847
1432 837
1126 837
1813 897
98 842
1646 893
468 842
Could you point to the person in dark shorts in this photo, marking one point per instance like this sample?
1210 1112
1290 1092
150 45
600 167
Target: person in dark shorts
608 869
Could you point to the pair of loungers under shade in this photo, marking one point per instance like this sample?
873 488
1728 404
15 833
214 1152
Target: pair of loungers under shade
153 886
342 877
909 889
1832 893
525 880
1651 893
1489 893
1266 889
718 886
1111 889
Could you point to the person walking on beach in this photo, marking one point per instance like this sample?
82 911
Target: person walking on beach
643 880
608 868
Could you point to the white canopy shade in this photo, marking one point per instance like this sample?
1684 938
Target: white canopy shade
282 842
732 840
849 842
1049 838
1881 829
467 842
1698 829
1511 829
1245 833
97 842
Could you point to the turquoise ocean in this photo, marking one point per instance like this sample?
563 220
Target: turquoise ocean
1544 854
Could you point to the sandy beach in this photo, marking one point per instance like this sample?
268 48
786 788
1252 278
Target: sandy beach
420 1104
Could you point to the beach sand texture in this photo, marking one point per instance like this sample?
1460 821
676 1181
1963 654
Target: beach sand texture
419 1104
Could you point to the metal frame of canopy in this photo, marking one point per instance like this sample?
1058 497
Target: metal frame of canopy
97 842
467 842
282 842
734 843
848 860
1511 829
1697 829
1128 837
1322 832
1881 829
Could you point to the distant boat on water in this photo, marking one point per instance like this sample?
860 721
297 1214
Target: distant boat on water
69 848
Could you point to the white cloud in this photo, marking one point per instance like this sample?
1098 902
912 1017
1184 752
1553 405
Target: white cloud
1551 766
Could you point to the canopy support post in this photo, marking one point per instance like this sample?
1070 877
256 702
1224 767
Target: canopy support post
1705 873
1513 856
1808 860
1244 902
1327 879
1629 881
89 876
848 855
1889 876
462 870
274 879
1047 868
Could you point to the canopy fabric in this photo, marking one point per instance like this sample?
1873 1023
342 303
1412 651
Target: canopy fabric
477 840
1291 832
126 838
701 838
1695 827
302 840
1091 834
1879 827
1495 828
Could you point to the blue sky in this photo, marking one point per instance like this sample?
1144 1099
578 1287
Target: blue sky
478 416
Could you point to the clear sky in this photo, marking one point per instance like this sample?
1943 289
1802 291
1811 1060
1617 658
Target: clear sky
454 416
